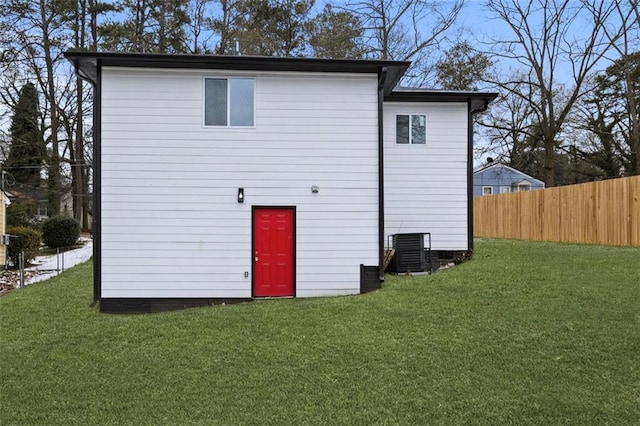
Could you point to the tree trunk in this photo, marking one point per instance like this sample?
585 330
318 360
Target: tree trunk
549 166
78 160
54 161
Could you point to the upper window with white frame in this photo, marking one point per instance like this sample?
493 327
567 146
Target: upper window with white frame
411 129
229 102
487 190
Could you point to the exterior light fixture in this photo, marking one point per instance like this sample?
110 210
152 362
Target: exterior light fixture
315 189
241 195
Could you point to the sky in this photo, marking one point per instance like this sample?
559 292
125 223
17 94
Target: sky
476 26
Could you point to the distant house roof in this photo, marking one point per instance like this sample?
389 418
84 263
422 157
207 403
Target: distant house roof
525 176
21 191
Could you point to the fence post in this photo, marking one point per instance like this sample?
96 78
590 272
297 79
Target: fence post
21 268
58 260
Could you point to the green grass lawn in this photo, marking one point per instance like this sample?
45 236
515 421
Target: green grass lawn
525 333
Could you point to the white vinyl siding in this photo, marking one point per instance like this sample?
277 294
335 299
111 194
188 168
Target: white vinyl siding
426 185
171 222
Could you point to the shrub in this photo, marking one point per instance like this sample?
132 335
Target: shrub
60 231
20 213
23 238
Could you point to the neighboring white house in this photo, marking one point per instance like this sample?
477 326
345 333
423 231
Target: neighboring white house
236 177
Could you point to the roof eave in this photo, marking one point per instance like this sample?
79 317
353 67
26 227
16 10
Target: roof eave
479 100
87 62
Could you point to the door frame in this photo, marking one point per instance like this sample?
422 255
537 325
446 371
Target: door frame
293 254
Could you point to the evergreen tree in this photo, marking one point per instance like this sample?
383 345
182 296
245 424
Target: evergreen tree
462 67
24 161
263 27
619 90
149 26
336 34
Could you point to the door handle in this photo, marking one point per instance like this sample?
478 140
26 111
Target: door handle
256 257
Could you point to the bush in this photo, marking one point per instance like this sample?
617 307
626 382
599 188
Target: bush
23 238
60 231
20 213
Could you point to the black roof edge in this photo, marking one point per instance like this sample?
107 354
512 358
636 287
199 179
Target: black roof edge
479 100
86 62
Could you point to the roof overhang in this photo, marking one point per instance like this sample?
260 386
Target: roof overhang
87 63
479 100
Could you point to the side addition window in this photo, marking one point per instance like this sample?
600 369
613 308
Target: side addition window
229 102
487 190
411 129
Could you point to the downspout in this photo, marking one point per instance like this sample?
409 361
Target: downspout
382 76
470 230
96 229
95 222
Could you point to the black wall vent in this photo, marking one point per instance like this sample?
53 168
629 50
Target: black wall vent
411 254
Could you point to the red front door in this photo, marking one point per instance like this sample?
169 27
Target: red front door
273 252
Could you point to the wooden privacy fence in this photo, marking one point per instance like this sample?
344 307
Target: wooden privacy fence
606 212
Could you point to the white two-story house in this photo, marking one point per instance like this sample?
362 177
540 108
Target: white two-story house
235 177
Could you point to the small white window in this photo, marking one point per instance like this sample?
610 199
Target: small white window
522 186
41 210
487 190
505 189
411 129
229 102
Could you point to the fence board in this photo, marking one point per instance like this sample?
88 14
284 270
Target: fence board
606 212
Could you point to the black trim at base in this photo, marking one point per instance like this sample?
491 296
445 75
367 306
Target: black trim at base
369 279
451 256
151 305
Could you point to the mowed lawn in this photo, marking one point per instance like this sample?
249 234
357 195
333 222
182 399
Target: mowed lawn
525 333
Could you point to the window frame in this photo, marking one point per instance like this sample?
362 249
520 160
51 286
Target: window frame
490 188
410 115
505 189
228 107
42 210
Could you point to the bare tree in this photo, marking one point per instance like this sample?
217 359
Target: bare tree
39 38
510 124
547 36
627 68
41 31
197 26
226 25
405 29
